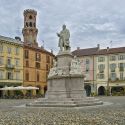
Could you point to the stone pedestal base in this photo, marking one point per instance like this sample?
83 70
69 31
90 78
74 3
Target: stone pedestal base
65 87
66 91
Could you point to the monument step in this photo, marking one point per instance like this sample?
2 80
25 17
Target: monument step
55 102
80 104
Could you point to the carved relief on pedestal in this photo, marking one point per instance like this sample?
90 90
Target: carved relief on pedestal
76 67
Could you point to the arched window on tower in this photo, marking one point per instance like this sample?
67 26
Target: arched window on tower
34 25
30 17
26 24
30 24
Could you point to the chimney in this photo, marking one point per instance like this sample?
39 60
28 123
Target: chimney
107 48
98 46
78 48
51 51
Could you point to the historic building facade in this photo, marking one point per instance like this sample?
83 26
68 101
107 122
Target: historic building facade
104 69
87 57
11 62
110 70
37 60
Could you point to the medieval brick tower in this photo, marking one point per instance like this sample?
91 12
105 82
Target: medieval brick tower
30 31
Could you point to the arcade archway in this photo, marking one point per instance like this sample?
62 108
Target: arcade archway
88 90
101 90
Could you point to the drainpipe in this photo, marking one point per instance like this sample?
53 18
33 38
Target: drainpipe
93 73
108 88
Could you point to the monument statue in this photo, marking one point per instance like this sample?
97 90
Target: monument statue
65 82
64 36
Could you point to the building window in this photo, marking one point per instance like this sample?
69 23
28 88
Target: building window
121 57
121 76
30 24
1 48
26 24
16 50
27 76
101 59
26 54
8 61
1 74
37 65
112 58
17 62
121 66
37 76
47 67
101 76
113 76
112 67
1 60
30 17
9 50
27 63
101 68
17 75
38 57
87 61
9 75
47 59
87 68
34 25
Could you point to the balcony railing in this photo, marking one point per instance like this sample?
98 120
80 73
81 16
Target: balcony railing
121 69
117 80
10 66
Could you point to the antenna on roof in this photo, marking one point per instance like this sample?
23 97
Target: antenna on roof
43 43
51 50
110 44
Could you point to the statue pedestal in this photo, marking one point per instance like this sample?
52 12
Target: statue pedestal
65 85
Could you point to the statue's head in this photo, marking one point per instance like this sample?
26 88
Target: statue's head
64 26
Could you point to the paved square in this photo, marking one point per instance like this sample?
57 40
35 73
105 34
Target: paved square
113 114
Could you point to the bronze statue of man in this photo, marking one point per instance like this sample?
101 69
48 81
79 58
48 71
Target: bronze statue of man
64 36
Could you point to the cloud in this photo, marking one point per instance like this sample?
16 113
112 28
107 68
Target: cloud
90 22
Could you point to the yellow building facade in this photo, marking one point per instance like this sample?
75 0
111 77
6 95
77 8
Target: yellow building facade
37 63
11 62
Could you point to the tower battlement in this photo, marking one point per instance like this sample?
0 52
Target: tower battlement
30 11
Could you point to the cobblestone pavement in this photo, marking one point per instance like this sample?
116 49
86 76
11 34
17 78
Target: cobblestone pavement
113 114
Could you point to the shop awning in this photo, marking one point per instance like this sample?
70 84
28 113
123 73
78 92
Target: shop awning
20 88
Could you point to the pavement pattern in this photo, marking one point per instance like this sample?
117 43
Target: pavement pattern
13 113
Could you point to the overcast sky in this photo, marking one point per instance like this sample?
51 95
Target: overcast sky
90 22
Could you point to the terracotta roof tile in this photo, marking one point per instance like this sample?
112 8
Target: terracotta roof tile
85 52
96 51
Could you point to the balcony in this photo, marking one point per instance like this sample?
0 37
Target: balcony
117 80
2 66
121 69
10 66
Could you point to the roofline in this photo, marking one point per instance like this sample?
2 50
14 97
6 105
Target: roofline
38 49
10 40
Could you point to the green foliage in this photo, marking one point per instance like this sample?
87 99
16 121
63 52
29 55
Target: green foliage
18 92
122 93
94 94
107 92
